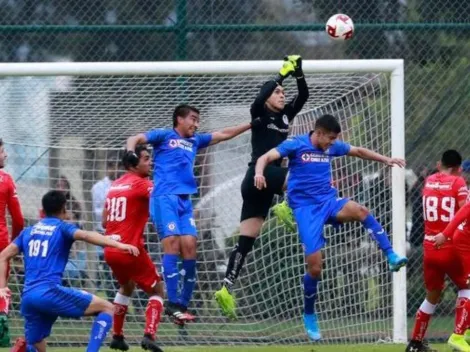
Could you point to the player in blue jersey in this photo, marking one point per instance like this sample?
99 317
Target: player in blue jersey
46 247
174 151
315 202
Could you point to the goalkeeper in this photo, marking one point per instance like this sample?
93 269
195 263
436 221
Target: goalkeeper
271 107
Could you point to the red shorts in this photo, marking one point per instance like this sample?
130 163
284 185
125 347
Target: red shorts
441 262
462 246
140 270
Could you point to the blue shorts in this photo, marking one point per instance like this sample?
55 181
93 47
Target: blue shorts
41 306
172 215
312 218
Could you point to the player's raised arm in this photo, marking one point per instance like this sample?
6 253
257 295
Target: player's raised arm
11 251
295 105
104 241
367 154
229 133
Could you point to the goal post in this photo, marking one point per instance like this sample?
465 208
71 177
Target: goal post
70 120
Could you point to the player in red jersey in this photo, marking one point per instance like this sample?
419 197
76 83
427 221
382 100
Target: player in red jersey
8 200
444 193
124 217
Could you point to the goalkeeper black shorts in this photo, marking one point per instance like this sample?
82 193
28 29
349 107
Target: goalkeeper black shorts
256 203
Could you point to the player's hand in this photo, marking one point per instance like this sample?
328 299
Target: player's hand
287 69
260 182
5 292
396 161
439 240
297 62
129 249
130 158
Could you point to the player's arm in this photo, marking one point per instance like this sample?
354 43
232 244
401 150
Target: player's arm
367 154
261 163
257 108
133 141
296 104
461 191
14 208
229 132
11 251
103 241
462 215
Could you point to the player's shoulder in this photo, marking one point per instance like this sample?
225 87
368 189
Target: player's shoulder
5 177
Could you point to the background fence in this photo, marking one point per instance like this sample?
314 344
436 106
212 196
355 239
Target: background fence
431 35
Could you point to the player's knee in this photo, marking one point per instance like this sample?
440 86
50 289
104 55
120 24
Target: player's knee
159 290
362 212
107 307
314 270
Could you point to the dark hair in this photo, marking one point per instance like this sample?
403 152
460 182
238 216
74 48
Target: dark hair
182 110
1 142
53 202
139 148
328 123
451 158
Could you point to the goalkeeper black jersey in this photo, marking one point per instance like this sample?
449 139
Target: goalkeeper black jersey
275 125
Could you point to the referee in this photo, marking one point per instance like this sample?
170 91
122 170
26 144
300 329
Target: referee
275 114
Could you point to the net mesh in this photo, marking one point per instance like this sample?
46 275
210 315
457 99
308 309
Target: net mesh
67 133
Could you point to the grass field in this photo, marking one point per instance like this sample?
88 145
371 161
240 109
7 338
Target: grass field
305 348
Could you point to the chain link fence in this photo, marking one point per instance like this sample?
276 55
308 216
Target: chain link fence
431 35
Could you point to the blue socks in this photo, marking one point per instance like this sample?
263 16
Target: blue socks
378 234
99 330
189 281
310 293
31 348
171 274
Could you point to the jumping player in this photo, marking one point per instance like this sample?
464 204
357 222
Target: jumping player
315 202
270 106
444 193
8 200
174 152
46 248
124 217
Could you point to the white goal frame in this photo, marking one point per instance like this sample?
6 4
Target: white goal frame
395 68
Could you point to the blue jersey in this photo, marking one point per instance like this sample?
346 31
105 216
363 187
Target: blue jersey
310 170
173 158
46 248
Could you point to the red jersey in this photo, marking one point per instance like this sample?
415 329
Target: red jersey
442 194
460 221
127 208
9 199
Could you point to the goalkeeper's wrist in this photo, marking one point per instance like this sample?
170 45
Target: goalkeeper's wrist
279 78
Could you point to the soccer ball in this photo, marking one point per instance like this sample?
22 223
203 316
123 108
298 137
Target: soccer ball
340 27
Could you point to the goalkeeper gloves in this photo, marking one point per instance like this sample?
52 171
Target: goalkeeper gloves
296 61
130 159
287 69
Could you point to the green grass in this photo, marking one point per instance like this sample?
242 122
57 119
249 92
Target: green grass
305 348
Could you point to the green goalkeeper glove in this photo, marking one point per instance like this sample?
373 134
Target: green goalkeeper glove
297 62
287 69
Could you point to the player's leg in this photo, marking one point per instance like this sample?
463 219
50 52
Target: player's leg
121 266
121 305
164 213
434 274
103 310
310 221
147 278
4 306
352 211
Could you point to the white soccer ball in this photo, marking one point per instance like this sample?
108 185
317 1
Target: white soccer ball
340 27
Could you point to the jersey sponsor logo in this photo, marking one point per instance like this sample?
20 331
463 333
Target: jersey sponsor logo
274 127
438 185
314 158
42 229
192 222
272 118
120 187
171 226
285 119
181 143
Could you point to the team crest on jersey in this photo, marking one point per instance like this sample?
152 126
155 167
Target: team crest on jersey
181 143
285 119
192 222
171 226
173 143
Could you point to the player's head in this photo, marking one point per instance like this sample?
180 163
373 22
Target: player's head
144 167
3 155
277 100
327 129
53 204
186 119
451 162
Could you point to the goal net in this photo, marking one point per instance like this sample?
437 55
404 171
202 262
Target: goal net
65 126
